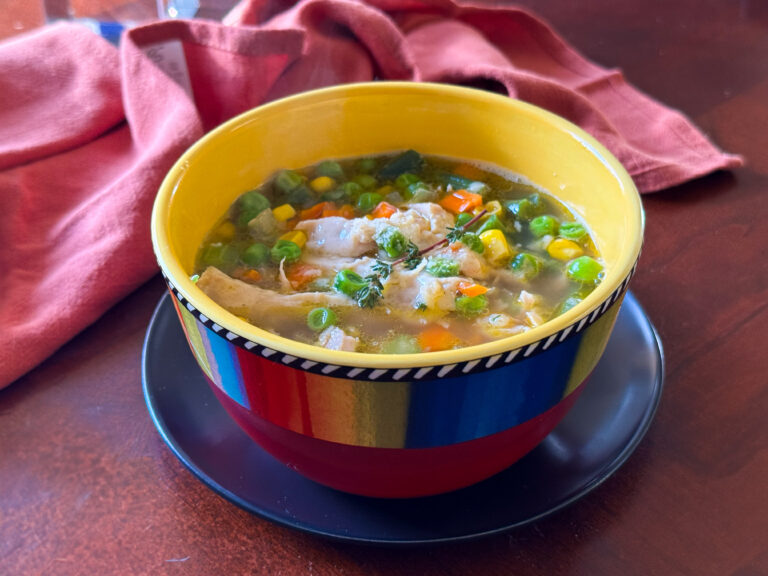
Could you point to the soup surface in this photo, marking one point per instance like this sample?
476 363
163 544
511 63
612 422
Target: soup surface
399 253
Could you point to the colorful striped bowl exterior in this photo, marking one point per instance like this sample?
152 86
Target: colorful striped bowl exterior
447 406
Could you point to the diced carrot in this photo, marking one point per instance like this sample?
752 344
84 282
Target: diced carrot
250 275
460 201
471 289
455 247
291 224
347 211
437 338
299 275
383 210
468 171
312 213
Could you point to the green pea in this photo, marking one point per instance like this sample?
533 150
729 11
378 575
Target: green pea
331 169
442 267
368 201
405 180
392 241
285 250
223 256
471 305
366 165
300 196
194 278
353 189
401 344
572 230
543 225
287 180
255 255
320 318
584 269
473 242
338 195
493 222
366 181
250 205
526 265
348 282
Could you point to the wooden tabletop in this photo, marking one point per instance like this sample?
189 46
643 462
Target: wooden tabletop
87 486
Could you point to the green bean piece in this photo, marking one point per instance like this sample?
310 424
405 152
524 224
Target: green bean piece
366 165
348 282
405 180
222 256
567 304
526 208
408 161
394 198
392 241
285 250
457 182
543 225
526 265
250 205
331 169
463 218
401 344
442 267
287 180
366 181
473 242
420 192
319 319
470 306
572 230
368 201
493 222
585 270
255 255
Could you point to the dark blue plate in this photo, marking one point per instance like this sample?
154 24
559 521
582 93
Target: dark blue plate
591 443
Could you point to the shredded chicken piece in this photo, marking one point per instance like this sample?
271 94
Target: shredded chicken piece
253 302
334 338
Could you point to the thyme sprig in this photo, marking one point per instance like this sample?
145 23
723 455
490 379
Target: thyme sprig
370 294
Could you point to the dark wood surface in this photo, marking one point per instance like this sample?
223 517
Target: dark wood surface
88 487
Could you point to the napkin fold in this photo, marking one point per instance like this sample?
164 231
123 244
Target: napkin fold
88 132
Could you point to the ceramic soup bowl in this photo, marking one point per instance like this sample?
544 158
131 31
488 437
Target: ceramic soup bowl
388 425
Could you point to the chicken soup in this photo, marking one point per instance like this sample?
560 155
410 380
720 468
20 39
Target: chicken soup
399 253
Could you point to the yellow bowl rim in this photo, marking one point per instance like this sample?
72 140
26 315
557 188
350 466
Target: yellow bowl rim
182 282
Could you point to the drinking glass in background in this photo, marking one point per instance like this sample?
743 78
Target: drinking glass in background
110 17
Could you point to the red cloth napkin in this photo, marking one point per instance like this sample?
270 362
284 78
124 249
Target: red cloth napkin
87 133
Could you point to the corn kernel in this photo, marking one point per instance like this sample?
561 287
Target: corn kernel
564 249
384 190
493 207
284 212
322 184
226 231
296 236
497 250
